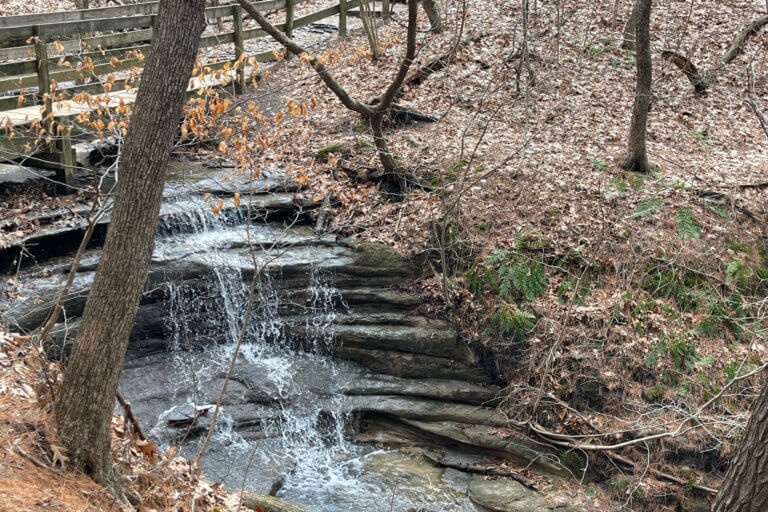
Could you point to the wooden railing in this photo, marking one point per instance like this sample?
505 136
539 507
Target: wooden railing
53 44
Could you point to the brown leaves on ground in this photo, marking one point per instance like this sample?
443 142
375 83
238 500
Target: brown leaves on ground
34 470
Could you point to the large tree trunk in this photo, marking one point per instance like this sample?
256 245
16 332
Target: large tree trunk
433 13
85 403
637 160
628 38
745 488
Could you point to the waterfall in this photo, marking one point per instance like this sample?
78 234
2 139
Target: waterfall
281 427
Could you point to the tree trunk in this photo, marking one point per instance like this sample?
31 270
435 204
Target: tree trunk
745 488
433 13
374 112
85 403
394 180
628 39
637 160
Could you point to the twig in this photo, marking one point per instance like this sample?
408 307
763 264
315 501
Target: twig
129 416
483 470
33 460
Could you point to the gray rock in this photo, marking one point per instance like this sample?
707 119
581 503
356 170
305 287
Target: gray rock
520 450
437 389
268 503
427 410
505 495
409 365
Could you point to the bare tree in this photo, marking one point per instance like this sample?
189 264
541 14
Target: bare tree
433 13
373 111
745 488
84 406
637 159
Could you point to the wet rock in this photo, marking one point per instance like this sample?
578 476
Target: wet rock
495 441
409 365
505 495
186 415
268 503
427 410
437 389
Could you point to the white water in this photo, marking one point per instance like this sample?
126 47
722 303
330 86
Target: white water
295 430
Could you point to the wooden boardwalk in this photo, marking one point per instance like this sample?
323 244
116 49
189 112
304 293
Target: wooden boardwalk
101 38
25 116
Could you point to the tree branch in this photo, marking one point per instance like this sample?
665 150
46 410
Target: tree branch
297 50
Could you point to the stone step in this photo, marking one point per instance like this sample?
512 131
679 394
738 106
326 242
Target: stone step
410 365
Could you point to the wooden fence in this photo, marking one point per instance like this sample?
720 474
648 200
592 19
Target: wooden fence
70 52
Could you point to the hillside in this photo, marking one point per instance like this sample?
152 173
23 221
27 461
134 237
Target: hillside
624 314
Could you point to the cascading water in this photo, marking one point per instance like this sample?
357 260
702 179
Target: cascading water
282 424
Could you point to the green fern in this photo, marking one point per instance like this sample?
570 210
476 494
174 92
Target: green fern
511 321
529 278
656 350
646 207
687 225
474 282
496 257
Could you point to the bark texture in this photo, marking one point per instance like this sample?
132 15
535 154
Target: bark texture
85 403
637 159
628 38
745 488
433 13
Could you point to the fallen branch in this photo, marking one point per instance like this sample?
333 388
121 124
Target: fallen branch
699 80
663 475
33 460
129 416
738 43
482 470
702 79
438 63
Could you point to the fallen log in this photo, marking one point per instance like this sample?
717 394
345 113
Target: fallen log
702 79
482 470
440 62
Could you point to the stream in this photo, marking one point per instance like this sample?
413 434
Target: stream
339 385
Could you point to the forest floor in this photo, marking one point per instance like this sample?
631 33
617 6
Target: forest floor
614 305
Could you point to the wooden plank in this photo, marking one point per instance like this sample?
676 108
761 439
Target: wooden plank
43 79
9 84
289 15
31 99
79 15
319 15
50 30
75 45
343 19
27 67
237 24
139 9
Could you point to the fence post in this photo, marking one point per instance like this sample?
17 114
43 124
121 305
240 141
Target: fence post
43 80
66 156
237 15
342 19
385 9
289 18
